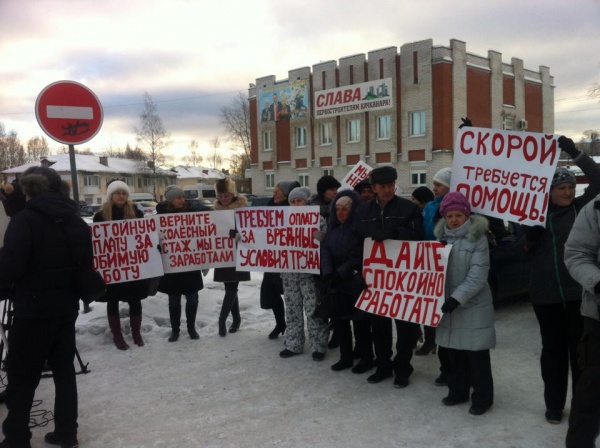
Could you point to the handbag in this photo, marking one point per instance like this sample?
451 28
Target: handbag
329 303
89 284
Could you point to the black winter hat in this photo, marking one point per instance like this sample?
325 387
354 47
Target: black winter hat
383 175
423 194
325 183
359 187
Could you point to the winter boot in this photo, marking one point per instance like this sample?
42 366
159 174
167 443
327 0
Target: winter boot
114 322
235 313
136 326
175 317
190 314
228 301
279 312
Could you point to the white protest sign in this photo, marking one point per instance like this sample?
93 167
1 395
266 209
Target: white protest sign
126 250
505 174
405 280
278 239
196 240
359 172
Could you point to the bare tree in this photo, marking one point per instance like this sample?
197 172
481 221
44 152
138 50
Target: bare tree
37 147
235 117
215 157
194 158
594 145
12 152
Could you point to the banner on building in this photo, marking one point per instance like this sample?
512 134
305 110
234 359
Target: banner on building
505 174
283 101
359 172
197 240
126 250
363 97
278 239
405 280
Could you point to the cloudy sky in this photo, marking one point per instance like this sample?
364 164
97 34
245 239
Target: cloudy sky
193 56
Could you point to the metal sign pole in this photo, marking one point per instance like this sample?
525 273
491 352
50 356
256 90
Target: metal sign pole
74 184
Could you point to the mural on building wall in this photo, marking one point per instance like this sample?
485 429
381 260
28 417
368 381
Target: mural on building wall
284 101
366 96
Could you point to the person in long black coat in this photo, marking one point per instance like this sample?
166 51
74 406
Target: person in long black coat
118 207
44 246
186 283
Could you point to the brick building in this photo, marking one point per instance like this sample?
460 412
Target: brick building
388 108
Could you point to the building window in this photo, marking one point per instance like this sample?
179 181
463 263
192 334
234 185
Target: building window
300 137
91 181
148 182
509 123
303 179
267 143
417 123
269 180
418 177
326 134
384 127
128 181
328 172
353 131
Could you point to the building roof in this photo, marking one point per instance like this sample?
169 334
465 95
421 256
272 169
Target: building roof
197 172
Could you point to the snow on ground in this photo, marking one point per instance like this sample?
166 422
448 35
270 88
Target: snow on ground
236 391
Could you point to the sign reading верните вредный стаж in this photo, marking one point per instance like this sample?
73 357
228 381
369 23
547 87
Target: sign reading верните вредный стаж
363 97
505 174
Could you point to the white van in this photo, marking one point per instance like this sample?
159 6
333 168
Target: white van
141 197
199 191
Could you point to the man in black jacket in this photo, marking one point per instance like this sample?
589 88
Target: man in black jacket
44 247
390 217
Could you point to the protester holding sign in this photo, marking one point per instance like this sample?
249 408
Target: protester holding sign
466 329
301 292
341 262
45 244
118 207
555 295
390 217
271 287
186 283
229 199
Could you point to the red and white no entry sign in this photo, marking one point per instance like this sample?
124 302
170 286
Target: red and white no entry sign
69 112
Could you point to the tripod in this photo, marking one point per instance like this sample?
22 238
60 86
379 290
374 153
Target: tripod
7 314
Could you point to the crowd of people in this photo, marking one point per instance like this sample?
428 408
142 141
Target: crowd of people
564 293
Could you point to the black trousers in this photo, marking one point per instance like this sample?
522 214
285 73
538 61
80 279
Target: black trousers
362 334
471 369
584 419
407 334
30 343
561 326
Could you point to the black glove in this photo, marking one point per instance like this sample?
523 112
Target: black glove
465 122
567 145
332 279
534 234
450 305
233 233
382 234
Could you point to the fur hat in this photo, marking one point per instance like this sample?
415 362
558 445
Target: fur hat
562 176
455 201
116 185
299 193
173 192
38 179
443 176
423 194
383 175
226 185
9 189
325 183
286 186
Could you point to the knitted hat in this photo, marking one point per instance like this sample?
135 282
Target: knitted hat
116 185
562 176
359 187
173 192
453 202
443 176
423 194
383 175
299 193
345 202
226 185
287 185
325 183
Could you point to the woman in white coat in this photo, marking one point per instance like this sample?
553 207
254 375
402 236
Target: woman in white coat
467 325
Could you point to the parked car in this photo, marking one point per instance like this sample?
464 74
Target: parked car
89 210
148 207
258 201
201 201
